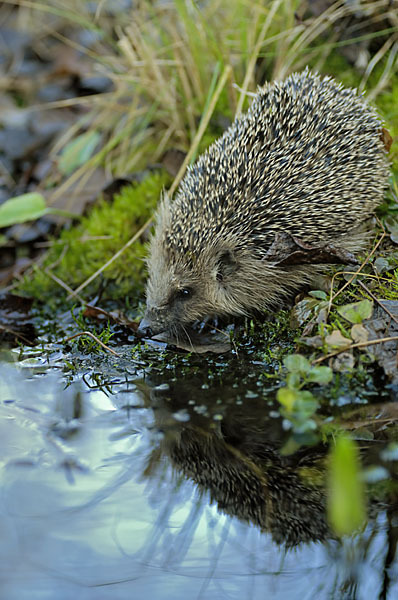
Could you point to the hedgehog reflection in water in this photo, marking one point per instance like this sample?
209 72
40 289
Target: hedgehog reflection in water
303 169
255 484
236 461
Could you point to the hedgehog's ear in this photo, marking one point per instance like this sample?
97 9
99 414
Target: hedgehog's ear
226 264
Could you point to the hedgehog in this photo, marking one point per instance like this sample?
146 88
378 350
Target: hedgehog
285 190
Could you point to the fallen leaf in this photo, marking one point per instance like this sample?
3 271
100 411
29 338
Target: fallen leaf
314 341
289 250
15 320
78 151
386 138
337 341
359 333
381 325
344 362
218 343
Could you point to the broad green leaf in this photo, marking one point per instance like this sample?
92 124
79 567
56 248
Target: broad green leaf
293 380
392 226
296 363
306 404
318 294
78 151
287 398
321 375
357 311
346 502
290 447
303 426
362 433
381 264
22 208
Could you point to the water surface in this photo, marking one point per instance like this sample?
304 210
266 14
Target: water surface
131 483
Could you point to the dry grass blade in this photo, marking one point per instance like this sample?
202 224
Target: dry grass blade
365 262
94 337
177 180
164 60
393 338
379 302
391 66
374 61
202 128
254 55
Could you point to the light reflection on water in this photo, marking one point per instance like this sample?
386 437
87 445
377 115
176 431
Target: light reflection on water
92 509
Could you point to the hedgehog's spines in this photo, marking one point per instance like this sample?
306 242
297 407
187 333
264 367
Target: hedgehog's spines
306 159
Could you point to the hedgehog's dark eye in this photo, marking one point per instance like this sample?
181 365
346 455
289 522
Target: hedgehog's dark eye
184 293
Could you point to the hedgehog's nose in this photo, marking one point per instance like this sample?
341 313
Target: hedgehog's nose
144 329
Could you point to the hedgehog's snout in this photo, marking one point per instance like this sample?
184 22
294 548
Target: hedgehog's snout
154 322
144 329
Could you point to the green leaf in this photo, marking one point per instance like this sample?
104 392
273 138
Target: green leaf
287 398
321 375
357 311
293 381
381 264
78 151
306 404
290 447
346 502
318 294
296 363
22 208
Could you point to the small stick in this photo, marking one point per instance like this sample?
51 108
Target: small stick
64 285
192 150
365 262
111 260
94 337
393 338
371 294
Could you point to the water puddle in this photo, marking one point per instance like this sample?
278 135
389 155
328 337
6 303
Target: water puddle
128 483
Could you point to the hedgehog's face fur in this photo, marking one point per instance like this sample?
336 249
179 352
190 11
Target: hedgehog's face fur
183 285
183 289
218 278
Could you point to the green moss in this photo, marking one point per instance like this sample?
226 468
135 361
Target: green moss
82 250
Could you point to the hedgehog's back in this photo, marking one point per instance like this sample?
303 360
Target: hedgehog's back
307 158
